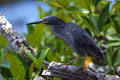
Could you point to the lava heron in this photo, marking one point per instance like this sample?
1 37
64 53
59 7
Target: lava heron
76 37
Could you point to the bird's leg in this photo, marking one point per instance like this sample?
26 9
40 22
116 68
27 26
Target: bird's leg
82 66
72 61
67 64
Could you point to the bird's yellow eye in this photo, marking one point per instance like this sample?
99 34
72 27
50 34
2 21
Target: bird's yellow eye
46 19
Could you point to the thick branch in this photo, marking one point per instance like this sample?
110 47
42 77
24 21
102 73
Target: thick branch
14 39
57 70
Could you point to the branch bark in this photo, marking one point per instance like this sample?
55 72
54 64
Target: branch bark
53 69
14 38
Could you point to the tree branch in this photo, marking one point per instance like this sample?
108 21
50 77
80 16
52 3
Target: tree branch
55 69
14 38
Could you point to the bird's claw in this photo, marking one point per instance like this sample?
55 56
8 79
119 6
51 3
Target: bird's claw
79 69
66 67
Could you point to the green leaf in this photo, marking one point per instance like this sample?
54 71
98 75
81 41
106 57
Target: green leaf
42 12
54 3
23 60
37 36
30 29
29 54
58 45
112 71
111 31
113 44
109 57
114 39
117 27
116 58
94 3
3 58
38 63
116 7
3 41
103 17
82 4
73 8
31 70
41 0
93 20
43 55
17 69
90 26
5 72
105 28
115 24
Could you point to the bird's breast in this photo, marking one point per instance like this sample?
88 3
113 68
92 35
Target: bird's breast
67 37
63 34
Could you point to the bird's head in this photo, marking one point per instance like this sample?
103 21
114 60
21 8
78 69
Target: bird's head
49 20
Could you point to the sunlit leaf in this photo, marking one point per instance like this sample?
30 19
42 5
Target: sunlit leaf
43 55
17 69
82 4
29 54
114 39
73 8
3 41
38 63
54 3
42 12
37 36
113 44
31 70
116 7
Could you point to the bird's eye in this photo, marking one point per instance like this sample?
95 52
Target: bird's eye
46 19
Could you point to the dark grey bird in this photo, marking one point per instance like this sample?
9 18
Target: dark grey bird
76 37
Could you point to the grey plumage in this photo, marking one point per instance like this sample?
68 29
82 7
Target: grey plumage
79 40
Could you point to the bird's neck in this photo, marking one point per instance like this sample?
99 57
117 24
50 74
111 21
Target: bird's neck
59 25
58 30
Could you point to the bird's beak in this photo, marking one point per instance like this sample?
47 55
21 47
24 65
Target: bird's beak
36 22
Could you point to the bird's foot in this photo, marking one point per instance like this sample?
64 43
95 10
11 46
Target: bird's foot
80 69
66 65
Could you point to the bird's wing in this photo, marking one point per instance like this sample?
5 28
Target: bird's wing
83 41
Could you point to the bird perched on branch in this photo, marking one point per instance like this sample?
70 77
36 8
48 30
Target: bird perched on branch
76 37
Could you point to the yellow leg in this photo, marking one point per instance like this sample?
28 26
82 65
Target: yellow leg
72 61
82 66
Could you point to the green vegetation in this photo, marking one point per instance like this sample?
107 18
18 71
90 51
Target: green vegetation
97 17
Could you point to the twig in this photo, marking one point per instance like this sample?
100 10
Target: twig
72 17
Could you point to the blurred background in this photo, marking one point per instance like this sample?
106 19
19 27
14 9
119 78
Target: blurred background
101 19
20 12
